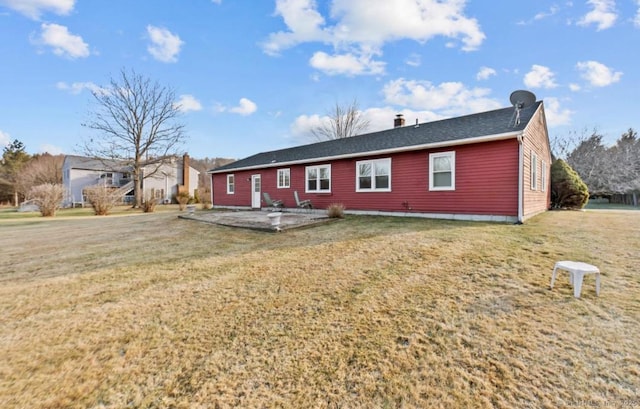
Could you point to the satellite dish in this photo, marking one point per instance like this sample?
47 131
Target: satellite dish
521 99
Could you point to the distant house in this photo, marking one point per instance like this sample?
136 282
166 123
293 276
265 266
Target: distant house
490 166
79 172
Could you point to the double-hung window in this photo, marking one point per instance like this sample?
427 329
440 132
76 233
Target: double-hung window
373 175
534 171
231 184
318 178
543 176
442 171
284 178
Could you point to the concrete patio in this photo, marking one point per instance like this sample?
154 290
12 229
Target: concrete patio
258 219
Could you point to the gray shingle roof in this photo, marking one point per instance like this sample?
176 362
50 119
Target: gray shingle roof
83 162
488 123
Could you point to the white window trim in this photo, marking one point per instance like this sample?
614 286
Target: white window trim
373 162
543 177
229 178
288 172
432 156
533 170
306 178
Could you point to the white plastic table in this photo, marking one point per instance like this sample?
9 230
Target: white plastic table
577 270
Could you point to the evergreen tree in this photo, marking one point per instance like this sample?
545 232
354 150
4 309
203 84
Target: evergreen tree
14 157
567 189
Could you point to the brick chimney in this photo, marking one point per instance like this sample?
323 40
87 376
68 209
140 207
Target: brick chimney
185 171
185 174
398 121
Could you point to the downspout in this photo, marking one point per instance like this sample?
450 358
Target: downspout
211 193
520 179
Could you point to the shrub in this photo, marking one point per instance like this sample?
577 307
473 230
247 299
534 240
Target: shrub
102 199
183 199
205 198
567 189
149 205
335 210
47 197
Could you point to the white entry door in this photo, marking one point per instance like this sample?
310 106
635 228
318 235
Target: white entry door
255 191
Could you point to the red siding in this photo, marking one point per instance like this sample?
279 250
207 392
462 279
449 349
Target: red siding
486 183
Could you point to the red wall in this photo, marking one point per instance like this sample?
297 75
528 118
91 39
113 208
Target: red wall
486 183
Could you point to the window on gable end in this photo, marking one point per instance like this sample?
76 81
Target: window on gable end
534 171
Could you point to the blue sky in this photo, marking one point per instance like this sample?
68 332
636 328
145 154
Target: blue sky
254 76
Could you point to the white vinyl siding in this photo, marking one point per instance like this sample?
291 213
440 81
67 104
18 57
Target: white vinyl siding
442 171
373 175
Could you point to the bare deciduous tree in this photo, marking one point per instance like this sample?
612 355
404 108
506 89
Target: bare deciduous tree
590 160
137 124
342 122
40 169
612 171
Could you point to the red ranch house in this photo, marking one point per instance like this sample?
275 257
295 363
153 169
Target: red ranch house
492 166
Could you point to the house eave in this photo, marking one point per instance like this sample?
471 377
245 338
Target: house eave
435 145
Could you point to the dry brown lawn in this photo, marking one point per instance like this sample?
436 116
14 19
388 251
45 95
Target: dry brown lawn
152 311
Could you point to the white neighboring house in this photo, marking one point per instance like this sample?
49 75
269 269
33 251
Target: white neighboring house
79 172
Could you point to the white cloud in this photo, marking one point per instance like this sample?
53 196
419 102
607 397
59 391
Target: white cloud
603 14
544 14
51 149
540 77
575 87
5 139
362 27
165 45
64 43
598 74
448 98
553 10
346 64
303 21
636 20
556 115
35 8
485 73
246 107
77 87
188 103
303 125
379 119
414 60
